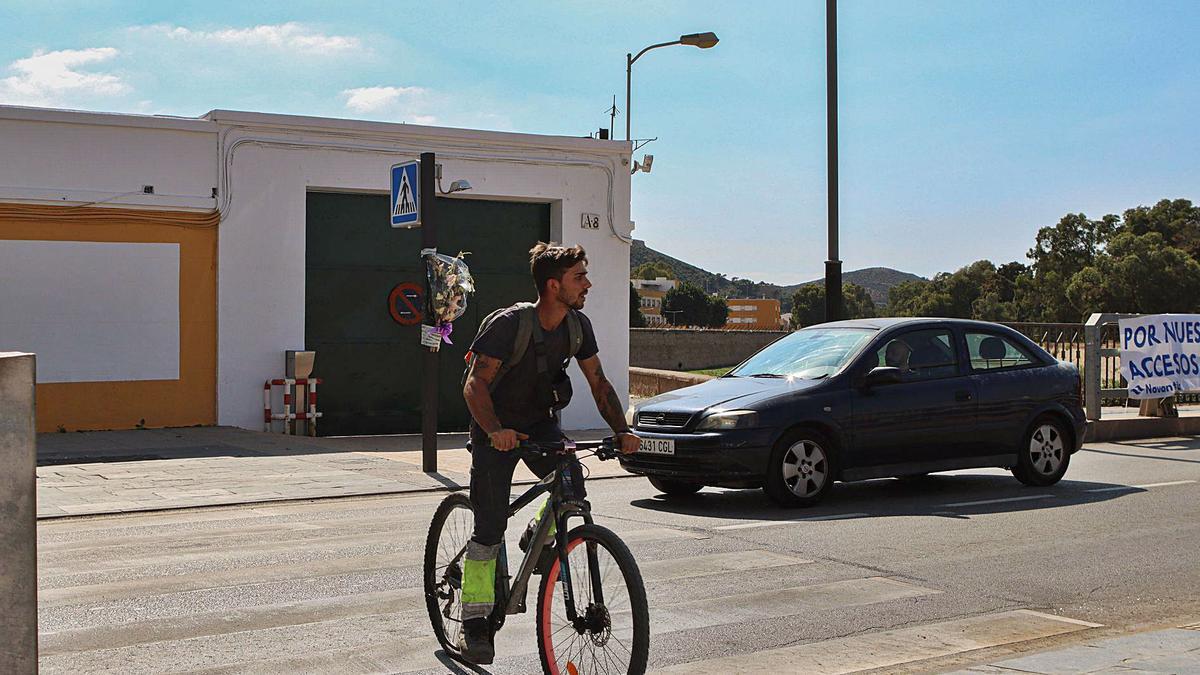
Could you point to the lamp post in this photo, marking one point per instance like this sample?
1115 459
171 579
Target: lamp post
833 266
701 40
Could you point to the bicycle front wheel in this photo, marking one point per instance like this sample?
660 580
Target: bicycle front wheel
445 550
611 633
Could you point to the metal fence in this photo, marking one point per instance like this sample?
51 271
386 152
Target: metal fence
1068 342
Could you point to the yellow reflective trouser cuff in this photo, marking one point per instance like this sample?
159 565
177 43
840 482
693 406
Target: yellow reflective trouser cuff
479 580
540 511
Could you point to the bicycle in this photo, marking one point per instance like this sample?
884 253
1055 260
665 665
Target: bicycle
603 623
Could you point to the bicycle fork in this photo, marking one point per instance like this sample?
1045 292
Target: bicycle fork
516 599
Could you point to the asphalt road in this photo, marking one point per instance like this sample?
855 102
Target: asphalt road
926 576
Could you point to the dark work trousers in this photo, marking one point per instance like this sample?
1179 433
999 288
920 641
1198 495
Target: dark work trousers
491 479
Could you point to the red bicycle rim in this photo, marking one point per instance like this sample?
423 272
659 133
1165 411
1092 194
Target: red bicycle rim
547 603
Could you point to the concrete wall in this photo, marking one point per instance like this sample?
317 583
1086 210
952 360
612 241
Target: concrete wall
677 349
645 382
270 162
18 516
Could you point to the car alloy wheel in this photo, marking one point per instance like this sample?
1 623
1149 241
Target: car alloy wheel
801 469
1046 449
805 468
1044 454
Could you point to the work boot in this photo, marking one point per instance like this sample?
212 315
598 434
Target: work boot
475 645
546 559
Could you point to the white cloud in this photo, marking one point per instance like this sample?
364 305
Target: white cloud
50 78
402 103
289 36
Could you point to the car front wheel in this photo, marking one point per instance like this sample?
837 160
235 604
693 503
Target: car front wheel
800 471
1045 453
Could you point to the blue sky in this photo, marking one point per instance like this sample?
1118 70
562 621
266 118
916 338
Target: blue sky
965 125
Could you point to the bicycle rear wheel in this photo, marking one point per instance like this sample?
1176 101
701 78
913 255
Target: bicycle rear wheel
612 636
445 549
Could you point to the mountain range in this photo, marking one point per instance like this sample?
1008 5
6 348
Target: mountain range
877 280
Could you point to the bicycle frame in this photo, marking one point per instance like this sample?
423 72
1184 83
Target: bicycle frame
558 512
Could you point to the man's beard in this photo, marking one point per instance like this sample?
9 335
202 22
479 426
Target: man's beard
577 304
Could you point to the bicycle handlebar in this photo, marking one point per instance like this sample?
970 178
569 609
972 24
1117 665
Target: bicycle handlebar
603 448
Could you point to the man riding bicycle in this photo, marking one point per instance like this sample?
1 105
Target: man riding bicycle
515 386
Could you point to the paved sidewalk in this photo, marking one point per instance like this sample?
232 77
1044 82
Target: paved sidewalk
1175 651
146 470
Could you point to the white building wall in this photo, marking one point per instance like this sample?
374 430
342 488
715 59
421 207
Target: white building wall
270 162
65 157
264 165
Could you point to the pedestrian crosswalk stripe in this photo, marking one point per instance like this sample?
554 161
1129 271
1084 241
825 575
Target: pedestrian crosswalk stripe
999 501
704 565
1143 487
892 647
770 523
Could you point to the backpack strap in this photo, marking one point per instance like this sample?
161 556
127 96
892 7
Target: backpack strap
575 330
526 313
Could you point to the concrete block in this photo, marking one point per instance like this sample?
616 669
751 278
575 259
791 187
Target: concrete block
18 515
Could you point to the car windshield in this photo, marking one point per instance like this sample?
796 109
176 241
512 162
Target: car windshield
811 353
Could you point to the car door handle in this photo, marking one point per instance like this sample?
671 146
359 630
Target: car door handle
962 396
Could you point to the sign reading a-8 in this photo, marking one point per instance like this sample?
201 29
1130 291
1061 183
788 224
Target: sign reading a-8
406 195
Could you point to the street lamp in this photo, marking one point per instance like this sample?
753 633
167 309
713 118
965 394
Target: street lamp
701 40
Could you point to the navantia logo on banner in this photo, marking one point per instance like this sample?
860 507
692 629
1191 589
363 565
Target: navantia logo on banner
1160 354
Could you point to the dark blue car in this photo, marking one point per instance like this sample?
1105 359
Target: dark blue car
853 400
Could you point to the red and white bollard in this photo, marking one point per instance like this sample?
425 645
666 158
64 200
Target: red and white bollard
287 416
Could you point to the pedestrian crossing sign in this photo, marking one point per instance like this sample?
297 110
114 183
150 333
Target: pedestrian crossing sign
406 193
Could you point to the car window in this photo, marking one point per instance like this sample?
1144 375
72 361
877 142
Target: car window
993 352
809 353
920 354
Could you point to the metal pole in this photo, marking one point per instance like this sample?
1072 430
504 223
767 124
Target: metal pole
833 266
429 363
18 527
628 79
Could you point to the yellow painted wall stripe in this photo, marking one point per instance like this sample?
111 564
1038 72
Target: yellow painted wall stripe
190 400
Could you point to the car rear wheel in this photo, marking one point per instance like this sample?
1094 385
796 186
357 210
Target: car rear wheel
800 471
674 488
1045 453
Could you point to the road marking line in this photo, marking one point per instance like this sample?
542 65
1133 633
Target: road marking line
999 501
769 523
894 647
1147 486
717 563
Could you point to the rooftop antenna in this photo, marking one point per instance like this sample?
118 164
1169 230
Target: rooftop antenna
612 113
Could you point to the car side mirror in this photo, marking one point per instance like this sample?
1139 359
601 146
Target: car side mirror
882 375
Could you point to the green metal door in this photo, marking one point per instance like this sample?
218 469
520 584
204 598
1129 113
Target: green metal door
369 364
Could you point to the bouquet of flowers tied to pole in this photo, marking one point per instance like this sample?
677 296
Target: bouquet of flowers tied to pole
448 281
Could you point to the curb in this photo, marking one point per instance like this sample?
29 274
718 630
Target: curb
292 500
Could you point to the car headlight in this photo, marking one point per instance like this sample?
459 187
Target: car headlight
729 419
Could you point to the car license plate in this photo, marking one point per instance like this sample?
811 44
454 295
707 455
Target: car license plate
657 446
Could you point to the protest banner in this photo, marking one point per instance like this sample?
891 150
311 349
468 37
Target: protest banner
1160 354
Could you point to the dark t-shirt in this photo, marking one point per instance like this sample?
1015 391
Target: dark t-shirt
515 397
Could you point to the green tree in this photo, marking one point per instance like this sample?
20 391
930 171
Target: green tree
1178 221
686 305
808 304
636 320
1059 253
718 312
653 270
857 302
1140 274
